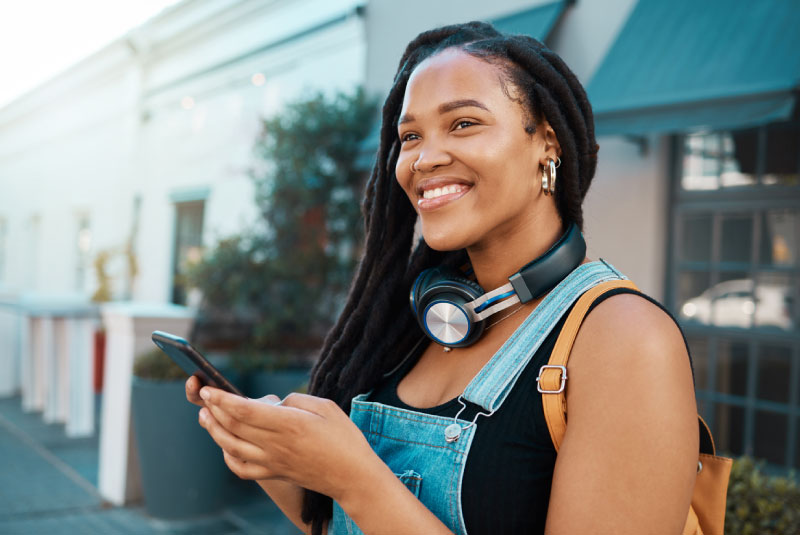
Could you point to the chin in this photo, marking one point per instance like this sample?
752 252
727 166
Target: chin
444 241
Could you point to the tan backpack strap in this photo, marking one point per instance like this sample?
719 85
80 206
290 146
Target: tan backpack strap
552 378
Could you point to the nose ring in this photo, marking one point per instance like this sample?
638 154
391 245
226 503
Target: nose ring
413 167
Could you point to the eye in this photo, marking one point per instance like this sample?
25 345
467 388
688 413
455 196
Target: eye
463 123
408 136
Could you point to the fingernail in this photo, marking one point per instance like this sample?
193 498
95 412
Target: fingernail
205 394
203 415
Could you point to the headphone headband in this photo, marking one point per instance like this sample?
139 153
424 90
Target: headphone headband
544 273
451 309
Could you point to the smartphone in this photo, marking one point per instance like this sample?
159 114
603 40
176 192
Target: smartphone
192 362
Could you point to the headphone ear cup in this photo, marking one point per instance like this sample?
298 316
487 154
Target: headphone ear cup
474 286
432 279
444 284
476 329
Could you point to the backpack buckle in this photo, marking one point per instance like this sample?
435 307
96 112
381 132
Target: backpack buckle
563 379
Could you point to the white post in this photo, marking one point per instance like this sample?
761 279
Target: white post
128 328
80 412
55 367
41 345
9 345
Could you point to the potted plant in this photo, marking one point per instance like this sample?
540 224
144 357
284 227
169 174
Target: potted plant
182 469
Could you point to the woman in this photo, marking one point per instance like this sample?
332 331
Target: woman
473 129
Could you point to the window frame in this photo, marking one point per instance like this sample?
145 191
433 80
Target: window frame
753 199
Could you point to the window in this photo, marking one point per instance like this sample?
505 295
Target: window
33 231
188 245
83 243
3 249
734 283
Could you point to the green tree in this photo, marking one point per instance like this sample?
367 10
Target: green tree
287 276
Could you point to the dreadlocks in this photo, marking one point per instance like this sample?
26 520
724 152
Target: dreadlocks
376 327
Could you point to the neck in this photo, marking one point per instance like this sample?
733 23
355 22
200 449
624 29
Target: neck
497 259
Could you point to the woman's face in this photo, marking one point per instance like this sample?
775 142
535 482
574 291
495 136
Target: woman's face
466 162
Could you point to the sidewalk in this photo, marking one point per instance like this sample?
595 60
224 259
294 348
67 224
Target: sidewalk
48 485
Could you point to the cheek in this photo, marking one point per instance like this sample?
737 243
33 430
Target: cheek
402 171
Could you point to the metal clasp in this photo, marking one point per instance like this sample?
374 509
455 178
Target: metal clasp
563 379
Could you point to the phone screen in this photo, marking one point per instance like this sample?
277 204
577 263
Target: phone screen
192 362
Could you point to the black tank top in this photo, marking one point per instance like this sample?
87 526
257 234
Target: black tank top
509 469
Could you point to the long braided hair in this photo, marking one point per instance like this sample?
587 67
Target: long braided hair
376 327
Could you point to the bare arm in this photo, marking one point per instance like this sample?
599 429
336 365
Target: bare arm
309 442
628 461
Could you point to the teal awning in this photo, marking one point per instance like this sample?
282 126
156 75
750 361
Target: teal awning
690 65
536 22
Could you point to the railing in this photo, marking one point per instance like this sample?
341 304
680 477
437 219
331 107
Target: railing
47 357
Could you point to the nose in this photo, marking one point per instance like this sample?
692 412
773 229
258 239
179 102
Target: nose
430 157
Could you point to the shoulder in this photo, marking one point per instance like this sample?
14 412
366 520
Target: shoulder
630 356
630 448
628 321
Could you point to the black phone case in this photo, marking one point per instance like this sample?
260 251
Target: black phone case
192 362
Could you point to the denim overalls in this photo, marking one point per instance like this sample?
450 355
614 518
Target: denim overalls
429 452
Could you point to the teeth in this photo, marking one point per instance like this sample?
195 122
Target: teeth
438 192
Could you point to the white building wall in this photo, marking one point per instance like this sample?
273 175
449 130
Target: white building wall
626 210
113 129
64 149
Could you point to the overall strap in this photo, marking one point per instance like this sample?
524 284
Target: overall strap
494 381
553 375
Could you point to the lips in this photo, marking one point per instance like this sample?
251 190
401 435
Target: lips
436 192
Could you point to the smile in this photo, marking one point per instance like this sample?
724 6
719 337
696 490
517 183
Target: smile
446 190
432 198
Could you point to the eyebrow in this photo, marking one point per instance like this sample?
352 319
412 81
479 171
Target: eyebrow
447 107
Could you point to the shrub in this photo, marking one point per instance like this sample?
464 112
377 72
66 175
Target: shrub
760 504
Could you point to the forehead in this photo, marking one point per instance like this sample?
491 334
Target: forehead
453 75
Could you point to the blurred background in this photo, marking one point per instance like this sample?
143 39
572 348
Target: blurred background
187 165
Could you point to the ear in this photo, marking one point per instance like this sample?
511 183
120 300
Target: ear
552 149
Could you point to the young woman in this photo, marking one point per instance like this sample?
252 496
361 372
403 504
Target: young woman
413 426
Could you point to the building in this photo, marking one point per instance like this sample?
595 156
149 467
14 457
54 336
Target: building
696 197
141 150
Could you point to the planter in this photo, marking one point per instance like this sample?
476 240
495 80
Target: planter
183 473
278 382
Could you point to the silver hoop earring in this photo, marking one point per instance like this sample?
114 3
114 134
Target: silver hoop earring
549 177
558 163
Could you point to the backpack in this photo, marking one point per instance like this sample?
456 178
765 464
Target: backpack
707 512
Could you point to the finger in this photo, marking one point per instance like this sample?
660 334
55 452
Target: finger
236 446
240 429
313 404
193 386
272 399
246 470
253 412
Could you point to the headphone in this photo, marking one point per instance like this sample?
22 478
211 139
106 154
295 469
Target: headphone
452 309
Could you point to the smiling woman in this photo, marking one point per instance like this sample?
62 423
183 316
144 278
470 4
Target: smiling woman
431 419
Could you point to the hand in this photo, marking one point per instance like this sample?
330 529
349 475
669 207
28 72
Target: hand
193 386
305 440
